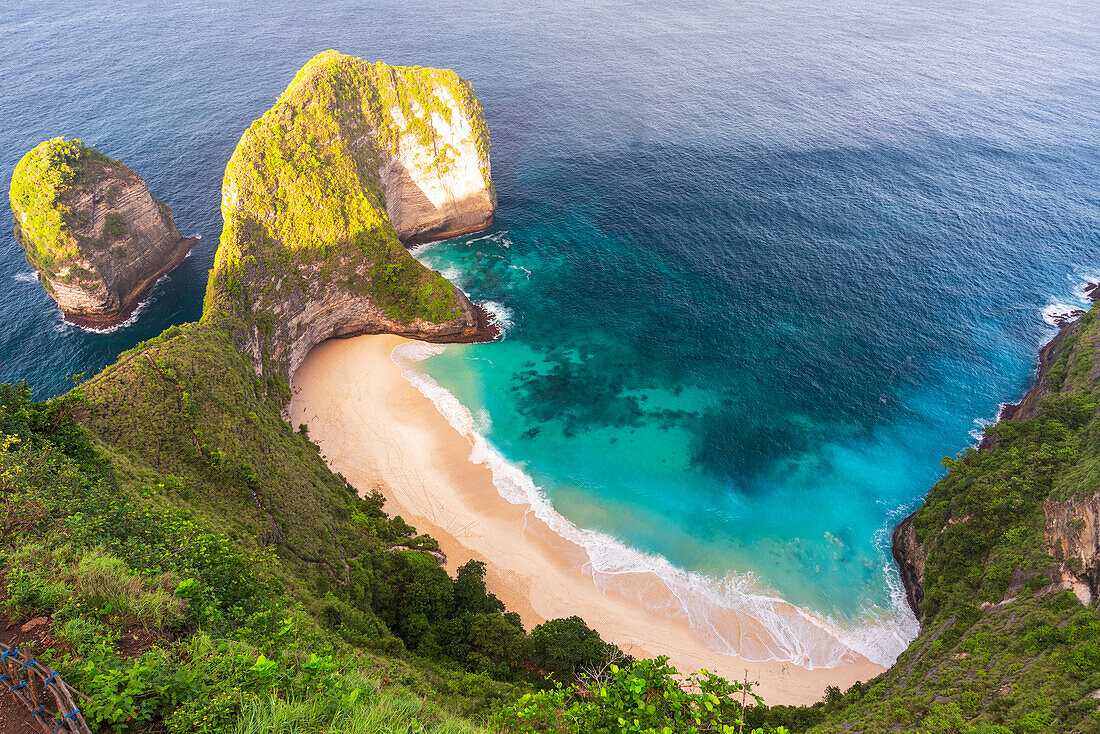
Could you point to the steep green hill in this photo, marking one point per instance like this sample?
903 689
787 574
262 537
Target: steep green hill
308 250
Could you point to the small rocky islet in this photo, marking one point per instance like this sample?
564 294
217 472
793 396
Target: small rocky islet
91 229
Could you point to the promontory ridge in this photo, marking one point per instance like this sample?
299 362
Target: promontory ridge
322 194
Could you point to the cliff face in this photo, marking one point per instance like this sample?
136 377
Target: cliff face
910 557
431 198
1028 408
1001 564
90 227
354 161
1072 532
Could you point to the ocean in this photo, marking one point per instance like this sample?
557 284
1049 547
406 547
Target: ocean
760 265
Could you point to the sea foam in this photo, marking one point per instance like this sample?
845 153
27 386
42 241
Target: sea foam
735 615
502 316
1057 313
130 321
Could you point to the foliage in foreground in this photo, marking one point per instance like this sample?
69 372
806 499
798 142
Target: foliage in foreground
647 697
167 620
162 620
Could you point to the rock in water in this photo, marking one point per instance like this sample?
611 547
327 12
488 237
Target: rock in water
90 227
322 194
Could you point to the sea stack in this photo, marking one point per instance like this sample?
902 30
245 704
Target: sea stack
98 239
355 161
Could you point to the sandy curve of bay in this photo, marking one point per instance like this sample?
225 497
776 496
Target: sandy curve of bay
379 431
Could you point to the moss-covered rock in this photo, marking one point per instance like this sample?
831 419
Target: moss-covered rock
354 160
90 227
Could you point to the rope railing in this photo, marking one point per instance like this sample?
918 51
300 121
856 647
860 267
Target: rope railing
51 701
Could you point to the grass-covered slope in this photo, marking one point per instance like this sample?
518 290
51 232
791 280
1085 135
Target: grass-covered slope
201 564
170 615
308 250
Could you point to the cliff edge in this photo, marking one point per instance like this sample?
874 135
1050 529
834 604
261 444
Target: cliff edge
1070 515
90 227
354 161
1001 565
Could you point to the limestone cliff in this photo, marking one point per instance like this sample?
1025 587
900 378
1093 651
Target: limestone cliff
354 161
90 227
1072 533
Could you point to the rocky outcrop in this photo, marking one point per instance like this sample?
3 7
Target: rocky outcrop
1072 533
354 161
1029 407
90 227
427 201
910 556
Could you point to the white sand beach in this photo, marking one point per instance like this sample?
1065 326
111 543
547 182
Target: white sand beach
379 431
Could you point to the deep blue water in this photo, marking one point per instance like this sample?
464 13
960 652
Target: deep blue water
765 263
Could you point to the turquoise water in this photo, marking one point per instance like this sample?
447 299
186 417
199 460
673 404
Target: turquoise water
762 264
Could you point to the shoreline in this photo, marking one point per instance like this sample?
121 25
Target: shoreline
907 553
381 432
105 322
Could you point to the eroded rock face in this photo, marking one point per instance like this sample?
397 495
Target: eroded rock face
322 194
426 200
1072 533
910 556
98 239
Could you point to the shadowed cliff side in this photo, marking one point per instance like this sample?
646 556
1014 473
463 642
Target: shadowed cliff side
322 192
90 227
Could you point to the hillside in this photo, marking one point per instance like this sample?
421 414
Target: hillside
201 568
1000 563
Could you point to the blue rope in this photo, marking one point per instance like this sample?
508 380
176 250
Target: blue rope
70 716
47 683
11 653
39 711
21 685
5 678
29 663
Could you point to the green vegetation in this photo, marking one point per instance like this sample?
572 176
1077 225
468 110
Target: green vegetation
42 188
116 225
305 209
205 571
1003 648
208 573
648 696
